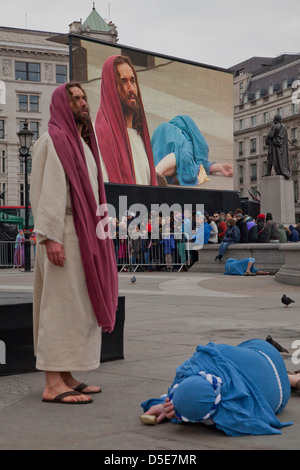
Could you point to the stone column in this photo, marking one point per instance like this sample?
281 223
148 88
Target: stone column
289 273
277 197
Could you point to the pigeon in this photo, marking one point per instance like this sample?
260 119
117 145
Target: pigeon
133 279
275 344
286 300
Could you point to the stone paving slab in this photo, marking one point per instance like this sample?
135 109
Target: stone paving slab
167 315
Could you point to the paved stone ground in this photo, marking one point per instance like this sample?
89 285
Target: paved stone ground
167 315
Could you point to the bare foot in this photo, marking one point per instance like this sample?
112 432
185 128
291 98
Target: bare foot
55 386
294 379
73 383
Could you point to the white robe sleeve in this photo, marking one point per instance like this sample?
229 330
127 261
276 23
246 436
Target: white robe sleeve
48 191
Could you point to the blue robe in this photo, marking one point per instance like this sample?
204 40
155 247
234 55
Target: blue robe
255 386
239 267
182 137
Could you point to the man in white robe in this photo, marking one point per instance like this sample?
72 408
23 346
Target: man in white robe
67 332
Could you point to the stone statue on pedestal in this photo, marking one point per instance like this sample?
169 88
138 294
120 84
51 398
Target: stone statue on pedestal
278 154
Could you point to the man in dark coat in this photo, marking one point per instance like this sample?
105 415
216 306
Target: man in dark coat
241 224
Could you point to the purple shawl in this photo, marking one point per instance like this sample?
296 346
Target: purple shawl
98 258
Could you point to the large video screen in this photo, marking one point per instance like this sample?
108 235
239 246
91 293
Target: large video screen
181 134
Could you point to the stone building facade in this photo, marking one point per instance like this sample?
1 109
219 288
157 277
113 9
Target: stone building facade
264 87
31 67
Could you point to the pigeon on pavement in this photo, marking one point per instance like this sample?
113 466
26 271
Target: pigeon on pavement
133 279
286 300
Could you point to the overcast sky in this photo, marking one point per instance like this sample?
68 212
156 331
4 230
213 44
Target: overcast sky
214 32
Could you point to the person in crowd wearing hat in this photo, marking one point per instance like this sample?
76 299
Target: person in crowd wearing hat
293 234
263 230
239 390
282 234
242 226
252 230
231 236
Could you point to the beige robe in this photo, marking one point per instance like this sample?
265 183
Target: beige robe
66 334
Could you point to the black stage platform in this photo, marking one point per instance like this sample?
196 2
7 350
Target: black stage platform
149 195
16 334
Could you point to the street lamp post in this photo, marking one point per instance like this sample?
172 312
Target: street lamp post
25 138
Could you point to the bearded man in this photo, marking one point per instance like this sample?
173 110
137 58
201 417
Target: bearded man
121 126
75 283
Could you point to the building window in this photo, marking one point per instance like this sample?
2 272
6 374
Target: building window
252 145
265 167
253 121
241 147
296 192
2 194
22 195
61 74
241 91
295 108
241 173
294 165
29 71
29 103
2 161
279 111
1 128
294 135
241 124
271 89
266 117
33 126
22 165
253 168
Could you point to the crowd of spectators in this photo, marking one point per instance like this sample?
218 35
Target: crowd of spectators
165 242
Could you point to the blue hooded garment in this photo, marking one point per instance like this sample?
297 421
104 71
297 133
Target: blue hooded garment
182 137
239 267
255 387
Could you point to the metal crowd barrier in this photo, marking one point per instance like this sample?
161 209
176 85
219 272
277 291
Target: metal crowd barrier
131 254
170 253
12 254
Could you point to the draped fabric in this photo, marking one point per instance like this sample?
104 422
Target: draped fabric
96 246
254 388
112 135
182 137
239 267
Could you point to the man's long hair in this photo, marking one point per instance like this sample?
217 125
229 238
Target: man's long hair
86 125
137 122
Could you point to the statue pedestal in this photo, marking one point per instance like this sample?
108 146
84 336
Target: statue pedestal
289 273
277 197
